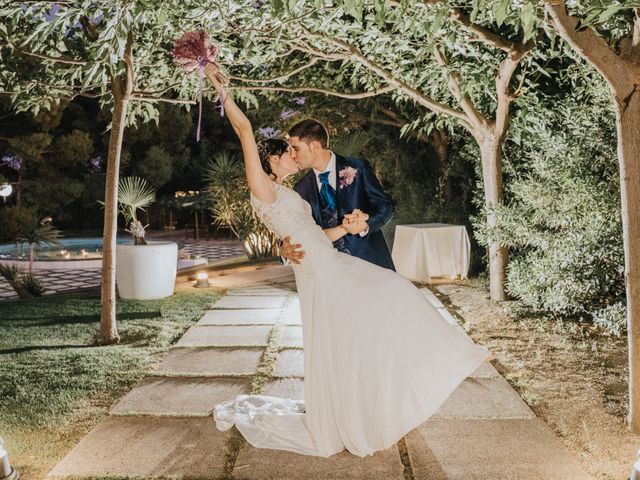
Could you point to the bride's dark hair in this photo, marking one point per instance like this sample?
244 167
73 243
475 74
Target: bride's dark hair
268 147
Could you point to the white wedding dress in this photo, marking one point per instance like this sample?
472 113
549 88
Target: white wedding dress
379 359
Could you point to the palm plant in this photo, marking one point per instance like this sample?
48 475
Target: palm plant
38 232
135 193
352 143
227 185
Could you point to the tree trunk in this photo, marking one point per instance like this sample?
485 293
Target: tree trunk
628 126
121 89
440 143
491 154
108 330
197 235
32 256
18 185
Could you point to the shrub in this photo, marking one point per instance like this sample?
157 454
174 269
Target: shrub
228 186
562 220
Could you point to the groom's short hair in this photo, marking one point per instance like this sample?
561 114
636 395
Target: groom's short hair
309 130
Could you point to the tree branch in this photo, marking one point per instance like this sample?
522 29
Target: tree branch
130 79
280 78
591 47
482 33
476 119
64 60
386 75
635 42
83 92
505 97
142 98
317 53
350 96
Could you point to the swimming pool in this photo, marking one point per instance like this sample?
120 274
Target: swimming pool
81 248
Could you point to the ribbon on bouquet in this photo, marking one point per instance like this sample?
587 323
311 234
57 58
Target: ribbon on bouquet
193 51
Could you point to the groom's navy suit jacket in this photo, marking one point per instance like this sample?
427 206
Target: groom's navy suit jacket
364 193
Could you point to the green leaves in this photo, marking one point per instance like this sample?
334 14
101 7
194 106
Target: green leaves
529 20
501 9
354 8
134 193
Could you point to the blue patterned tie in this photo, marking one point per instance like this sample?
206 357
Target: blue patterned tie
327 192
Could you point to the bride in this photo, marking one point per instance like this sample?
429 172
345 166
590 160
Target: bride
379 359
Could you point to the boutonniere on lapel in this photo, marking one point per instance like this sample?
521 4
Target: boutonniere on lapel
347 176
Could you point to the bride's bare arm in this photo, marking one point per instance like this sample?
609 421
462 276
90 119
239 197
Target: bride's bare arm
335 233
259 182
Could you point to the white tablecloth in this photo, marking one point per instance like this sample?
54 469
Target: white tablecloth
428 250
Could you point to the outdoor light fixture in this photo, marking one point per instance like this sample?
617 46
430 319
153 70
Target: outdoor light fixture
6 470
202 280
5 191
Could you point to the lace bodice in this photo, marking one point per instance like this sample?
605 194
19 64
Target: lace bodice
290 215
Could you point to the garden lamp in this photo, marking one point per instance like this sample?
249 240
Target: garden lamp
202 281
5 191
6 470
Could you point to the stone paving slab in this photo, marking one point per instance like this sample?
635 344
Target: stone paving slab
489 450
290 285
291 336
290 363
286 388
432 298
486 370
148 447
263 464
226 335
240 317
179 396
291 315
275 274
210 361
267 291
447 316
484 398
251 301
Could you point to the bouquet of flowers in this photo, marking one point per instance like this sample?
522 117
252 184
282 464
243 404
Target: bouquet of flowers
193 51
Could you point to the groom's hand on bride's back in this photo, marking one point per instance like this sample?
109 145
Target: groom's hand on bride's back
291 251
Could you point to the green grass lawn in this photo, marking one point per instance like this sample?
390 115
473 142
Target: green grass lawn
55 382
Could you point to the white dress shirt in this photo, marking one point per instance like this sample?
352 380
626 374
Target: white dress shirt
333 180
333 176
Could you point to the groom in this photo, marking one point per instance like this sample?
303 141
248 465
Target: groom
340 190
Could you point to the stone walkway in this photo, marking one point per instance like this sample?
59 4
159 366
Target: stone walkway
251 342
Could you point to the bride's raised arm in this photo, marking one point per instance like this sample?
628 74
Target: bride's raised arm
259 182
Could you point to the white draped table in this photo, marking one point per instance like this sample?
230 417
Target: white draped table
427 250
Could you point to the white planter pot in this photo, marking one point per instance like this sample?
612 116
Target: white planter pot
146 272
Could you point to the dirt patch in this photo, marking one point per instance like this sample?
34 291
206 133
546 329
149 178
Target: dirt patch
573 376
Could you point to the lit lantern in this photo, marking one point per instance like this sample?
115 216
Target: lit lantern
5 190
202 280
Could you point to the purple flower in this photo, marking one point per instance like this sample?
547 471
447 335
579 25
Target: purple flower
96 162
269 132
287 113
347 175
298 100
50 15
12 161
